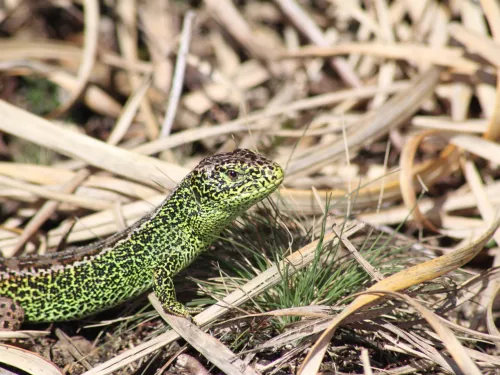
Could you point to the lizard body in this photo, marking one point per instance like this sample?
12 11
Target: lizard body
81 281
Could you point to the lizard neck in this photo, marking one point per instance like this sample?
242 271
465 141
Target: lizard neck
176 222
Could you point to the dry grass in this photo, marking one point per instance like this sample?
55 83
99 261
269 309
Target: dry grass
387 108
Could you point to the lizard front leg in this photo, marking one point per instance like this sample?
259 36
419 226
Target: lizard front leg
163 287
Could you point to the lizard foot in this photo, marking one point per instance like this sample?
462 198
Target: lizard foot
178 309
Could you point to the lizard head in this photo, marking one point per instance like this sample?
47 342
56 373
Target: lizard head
227 184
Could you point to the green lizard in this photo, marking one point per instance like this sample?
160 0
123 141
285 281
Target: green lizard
81 281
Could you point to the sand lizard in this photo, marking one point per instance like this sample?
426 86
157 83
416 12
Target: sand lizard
84 280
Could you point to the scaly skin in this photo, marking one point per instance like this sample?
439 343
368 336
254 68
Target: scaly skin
82 281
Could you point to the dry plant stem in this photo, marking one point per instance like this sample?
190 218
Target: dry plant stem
177 82
190 364
416 366
414 344
230 18
312 327
365 359
444 56
94 97
129 111
74 351
27 361
127 38
24 334
267 279
44 213
157 25
308 27
468 331
456 201
382 188
373 272
13 49
90 203
211 348
488 213
124 119
244 124
444 123
146 170
481 147
470 289
492 13
91 36
282 97
99 224
54 175
477 43
373 125
23 49
490 320
451 342
477 187
407 175
402 280
178 353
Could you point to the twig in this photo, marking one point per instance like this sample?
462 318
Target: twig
209 346
179 70
47 209
307 26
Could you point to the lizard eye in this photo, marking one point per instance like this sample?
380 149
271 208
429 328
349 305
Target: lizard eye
232 174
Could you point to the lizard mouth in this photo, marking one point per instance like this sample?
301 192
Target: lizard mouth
265 191
280 176
277 183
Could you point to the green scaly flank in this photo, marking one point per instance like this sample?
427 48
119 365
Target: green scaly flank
82 281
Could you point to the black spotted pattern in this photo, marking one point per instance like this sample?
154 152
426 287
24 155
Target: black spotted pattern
82 281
